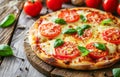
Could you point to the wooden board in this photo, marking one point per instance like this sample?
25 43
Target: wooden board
49 70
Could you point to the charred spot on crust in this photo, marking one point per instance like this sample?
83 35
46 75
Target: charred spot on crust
67 62
51 60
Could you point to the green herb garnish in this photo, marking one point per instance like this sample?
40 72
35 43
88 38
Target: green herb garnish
83 50
116 72
70 31
106 21
100 46
58 42
60 21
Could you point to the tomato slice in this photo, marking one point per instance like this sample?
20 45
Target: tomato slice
67 51
96 17
96 53
86 35
50 30
69 16
112 36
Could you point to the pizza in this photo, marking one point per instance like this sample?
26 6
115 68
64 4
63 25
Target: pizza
77 38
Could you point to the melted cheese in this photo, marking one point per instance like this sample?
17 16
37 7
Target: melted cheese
111 47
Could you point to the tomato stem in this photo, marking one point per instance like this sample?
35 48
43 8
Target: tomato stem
32 1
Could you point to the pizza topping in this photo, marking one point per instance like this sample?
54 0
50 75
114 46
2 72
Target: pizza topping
100 46
112 35
70 31
96 53
69 15
60 21
96 17
106 21
66 51
83 50
80 30
83 18
112 47
50 30
58 42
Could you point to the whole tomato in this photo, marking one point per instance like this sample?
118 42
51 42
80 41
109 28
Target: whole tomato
32 7
93 3
54 4
110 5
118 9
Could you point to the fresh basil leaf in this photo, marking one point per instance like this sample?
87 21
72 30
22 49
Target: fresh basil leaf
81 30
83 18
69 31
116 72
7 21
58 42
106 21
5 50
100 46
60 21
83 50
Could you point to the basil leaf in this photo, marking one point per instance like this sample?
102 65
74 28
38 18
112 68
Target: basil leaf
100 46
58 42
81 30
83 50
116 72
60 21
83 18
5 50
7 21
106 21
69 31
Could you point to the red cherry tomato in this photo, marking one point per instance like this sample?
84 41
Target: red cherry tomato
67 51
50 30
110 5
96 53
69 16
32 7
93 3
118 9
54 4
112 36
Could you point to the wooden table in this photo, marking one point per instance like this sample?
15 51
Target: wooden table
14 36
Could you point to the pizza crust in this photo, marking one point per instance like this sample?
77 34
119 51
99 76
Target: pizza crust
85 65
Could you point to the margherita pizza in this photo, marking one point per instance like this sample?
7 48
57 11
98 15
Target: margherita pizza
77 38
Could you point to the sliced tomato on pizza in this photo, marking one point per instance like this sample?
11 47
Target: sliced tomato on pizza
69 15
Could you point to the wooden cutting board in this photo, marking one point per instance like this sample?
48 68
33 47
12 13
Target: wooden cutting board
51 71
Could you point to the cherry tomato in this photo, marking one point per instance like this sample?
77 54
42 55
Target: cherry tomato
50 30
93 3
118 9
69 15
67 51
87 34
112 36
110 5
32 7
96 53
54 4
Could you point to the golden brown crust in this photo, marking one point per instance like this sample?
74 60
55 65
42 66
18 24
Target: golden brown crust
84 65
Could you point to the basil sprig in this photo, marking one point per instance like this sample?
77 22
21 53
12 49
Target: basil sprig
58 42
83 50
5 50
7 21
106 21
100 46
80 30
60 21
83 18
116 72
70 31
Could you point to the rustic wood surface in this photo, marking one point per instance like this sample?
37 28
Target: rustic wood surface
15 35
